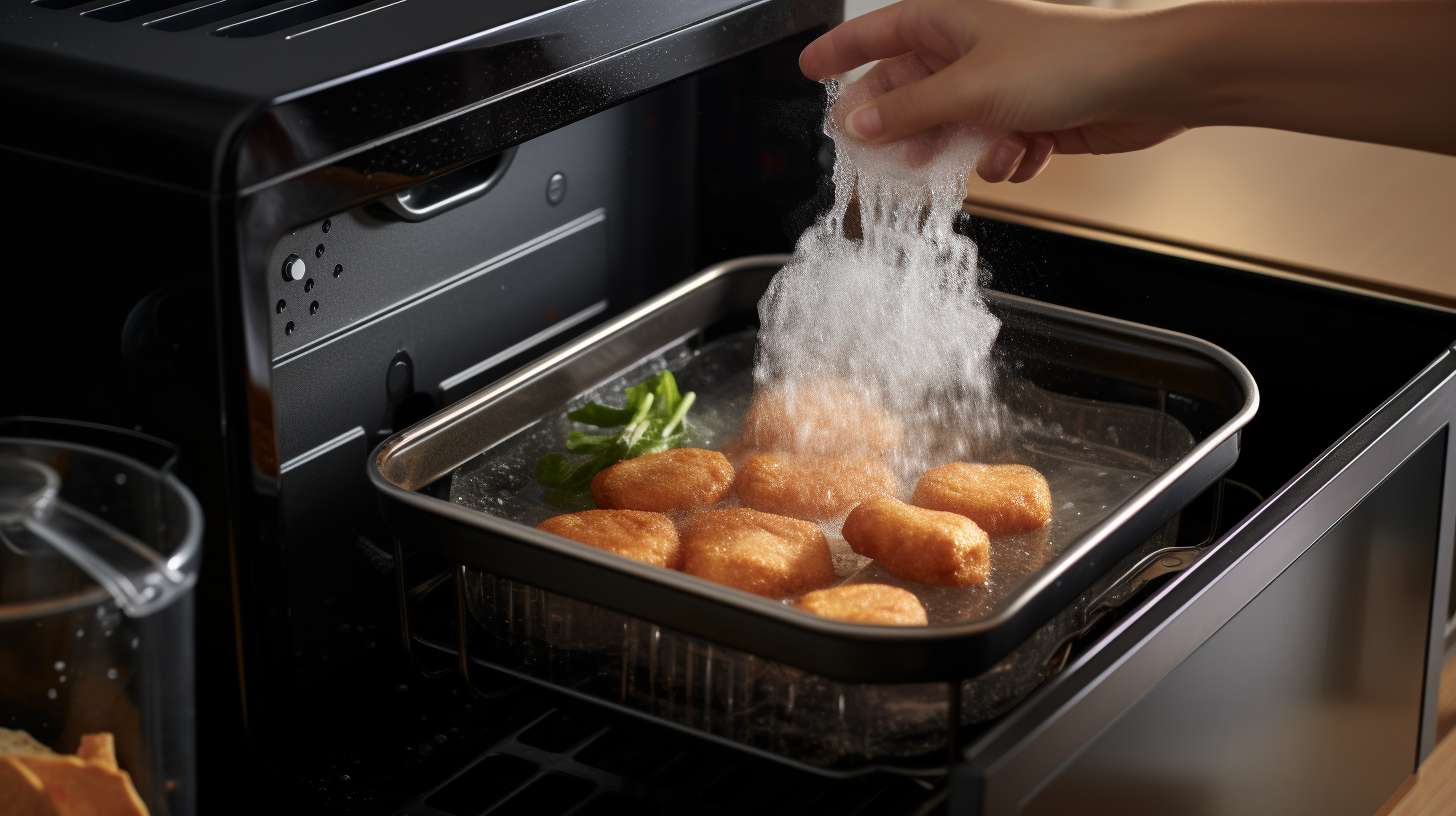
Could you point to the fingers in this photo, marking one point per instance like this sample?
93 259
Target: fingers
886 76
853 43
1000 161
1038 153
911 109
1016 158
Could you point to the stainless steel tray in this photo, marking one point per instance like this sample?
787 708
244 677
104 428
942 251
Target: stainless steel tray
1043 349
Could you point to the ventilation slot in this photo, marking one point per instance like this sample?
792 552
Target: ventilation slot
129 9
232 18
287 17
213 12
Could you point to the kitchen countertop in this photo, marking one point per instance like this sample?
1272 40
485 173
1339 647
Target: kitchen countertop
1375 217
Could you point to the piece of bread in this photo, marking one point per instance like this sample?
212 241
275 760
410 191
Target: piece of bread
21 791
1000 499
865 603
929 546
19 742
80 788
36 781
99 749
757 552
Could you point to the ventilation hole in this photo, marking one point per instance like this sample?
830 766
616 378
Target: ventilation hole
328 225
318 251
308 285
282 306
609 804
563 729
631 750
313 308
289 329
287 17
213 12
338 270
129 9
552 793
484 784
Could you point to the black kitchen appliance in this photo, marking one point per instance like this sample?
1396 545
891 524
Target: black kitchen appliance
276 233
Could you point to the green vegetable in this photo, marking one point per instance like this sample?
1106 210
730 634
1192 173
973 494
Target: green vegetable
653 419
602 416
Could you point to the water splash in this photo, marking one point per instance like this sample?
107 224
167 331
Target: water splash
883 295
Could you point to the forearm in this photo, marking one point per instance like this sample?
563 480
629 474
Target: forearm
1374 71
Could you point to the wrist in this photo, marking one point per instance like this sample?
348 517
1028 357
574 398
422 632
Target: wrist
1180 56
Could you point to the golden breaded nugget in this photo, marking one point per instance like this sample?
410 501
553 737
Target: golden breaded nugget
866 603
635 534
98 749
811 487
1000 498
21 792
827 418
677 479
918 544
758 552
77 787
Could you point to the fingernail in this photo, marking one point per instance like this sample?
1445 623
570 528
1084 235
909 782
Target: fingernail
1002 161
864 124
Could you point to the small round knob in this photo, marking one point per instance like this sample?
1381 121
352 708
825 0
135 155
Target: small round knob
294 268
556 188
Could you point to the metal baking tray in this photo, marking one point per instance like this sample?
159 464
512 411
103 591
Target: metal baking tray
1079 358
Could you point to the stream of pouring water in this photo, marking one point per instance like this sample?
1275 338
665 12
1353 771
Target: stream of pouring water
883 295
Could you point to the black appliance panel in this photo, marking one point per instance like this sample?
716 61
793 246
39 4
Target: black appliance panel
368 260
1310 395
208 110
1330 656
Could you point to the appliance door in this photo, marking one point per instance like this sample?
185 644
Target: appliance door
1294 669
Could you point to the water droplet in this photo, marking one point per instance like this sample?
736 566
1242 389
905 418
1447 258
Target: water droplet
80 633
135 642
51 693
120 479
112 674
60 665
61 679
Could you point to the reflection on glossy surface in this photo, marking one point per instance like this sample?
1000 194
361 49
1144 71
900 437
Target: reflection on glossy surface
1325 664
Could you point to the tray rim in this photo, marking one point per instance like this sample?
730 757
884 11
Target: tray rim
402 443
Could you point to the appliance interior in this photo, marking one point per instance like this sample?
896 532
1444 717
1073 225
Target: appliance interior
337 286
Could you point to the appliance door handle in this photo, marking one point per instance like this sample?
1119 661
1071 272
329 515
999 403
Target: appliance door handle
452 189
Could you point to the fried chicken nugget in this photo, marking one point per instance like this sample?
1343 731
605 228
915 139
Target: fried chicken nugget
811 487
826 418
757 552
1000 498
917 544
635 534
866 603
676 479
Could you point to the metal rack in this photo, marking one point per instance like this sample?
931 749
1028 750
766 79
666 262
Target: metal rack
583 755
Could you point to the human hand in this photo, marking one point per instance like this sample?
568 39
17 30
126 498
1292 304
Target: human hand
1051 79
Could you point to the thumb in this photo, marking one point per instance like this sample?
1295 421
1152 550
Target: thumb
910 109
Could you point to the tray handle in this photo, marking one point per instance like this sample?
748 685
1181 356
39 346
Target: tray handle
1151 567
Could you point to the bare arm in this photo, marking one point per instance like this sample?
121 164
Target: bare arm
1060 79
1372 70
